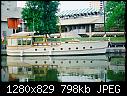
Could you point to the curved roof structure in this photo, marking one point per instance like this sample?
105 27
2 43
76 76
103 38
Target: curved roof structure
78 12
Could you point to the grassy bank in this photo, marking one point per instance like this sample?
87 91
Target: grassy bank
112 39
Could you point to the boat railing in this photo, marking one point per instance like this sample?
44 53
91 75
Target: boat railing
72 41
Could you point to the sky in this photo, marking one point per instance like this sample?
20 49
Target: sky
65 5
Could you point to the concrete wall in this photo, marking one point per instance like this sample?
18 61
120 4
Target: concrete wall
4 28
9 9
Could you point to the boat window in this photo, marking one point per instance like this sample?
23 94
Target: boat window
53 48
24 41
35 49
9 42
69 48
19 41
13 42
45 62
19 69
61 61
45 49
61 48
83 61
69 61
90 46
53 61
28 41
76 61
35 61
83 47
29 69
76 47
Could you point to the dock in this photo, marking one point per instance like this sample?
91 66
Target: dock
3 52
115 50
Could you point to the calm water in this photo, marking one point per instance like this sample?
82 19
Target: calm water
93 68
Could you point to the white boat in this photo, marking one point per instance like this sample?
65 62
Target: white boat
26 44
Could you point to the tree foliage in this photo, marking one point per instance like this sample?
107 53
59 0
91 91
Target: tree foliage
41 16
115 14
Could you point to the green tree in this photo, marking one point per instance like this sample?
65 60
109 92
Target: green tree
115 15
41 16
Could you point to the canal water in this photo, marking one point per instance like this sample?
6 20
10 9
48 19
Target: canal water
90 68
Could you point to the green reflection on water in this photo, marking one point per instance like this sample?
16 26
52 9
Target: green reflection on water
119 76
50 75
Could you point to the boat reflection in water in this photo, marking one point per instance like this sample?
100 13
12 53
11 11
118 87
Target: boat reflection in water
98 68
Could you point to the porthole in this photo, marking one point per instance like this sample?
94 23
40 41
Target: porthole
61 48
35 49
61 61
69 48
45 62
83 47
84 61
53 61
91 61
35 61
44 49
76 47
53 48
69 61
76 61
90 46
8 9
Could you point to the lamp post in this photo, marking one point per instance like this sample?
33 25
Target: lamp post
33 21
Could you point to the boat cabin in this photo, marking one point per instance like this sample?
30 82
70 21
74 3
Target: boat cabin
24 39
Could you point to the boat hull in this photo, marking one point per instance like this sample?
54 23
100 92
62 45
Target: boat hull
83 48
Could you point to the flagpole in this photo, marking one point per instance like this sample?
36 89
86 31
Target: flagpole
104 17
